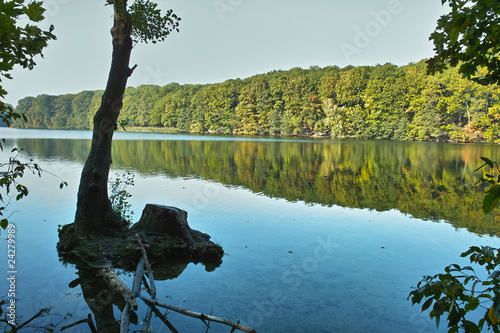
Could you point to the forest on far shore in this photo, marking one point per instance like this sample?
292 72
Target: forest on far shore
383 102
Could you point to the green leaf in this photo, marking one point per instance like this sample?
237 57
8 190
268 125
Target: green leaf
35 11
496 306
455 32
494 275
471 327
438 308
453 318
4 223
427 304
491 199
489 162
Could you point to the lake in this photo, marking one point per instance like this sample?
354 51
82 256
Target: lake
319 235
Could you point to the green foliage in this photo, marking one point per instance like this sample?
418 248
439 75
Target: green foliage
460 291
456 292
491 178
19 45
148 24
468 37
12 172
119 196
380 102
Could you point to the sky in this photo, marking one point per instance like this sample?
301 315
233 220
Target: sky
229 39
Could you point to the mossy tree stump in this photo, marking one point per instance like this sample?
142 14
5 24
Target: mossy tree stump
164 231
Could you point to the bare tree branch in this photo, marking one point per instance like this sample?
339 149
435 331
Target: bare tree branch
117 285
148 267
201 316
136 289
163 318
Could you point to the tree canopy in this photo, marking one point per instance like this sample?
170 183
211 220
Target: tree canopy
19 44
370 102
469 37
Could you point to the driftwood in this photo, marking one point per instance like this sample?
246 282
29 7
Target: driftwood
163 319
198 315
171 244
117 285
148 267
152 302
147 320
136 289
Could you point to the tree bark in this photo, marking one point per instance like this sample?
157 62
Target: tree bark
94 212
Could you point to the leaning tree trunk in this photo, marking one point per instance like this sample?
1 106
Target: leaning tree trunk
94 212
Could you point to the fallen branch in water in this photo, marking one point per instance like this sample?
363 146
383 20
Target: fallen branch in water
130 296
136 289
148 267
118 285
147 320
198 315
152 290
163 318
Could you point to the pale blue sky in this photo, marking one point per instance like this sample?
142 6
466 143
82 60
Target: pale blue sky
227 39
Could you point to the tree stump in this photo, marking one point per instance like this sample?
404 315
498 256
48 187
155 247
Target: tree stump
165 220
165 232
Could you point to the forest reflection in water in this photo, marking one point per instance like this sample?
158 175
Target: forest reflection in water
432 181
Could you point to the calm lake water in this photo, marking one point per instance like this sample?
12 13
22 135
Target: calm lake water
320 235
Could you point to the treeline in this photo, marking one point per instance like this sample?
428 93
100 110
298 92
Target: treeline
368 102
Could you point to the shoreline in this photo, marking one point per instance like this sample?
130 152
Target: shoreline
318 136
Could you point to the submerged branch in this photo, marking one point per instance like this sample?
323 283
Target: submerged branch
148 267
136 289
163 318
198 315
117 285
147 320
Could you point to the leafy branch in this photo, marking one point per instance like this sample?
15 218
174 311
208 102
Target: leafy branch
459 291
456 292
10 173
119 195
492 197
148 24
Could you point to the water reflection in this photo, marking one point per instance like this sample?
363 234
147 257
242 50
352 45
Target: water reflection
101 298
426 180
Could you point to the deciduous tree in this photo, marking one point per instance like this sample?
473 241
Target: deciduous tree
142 21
